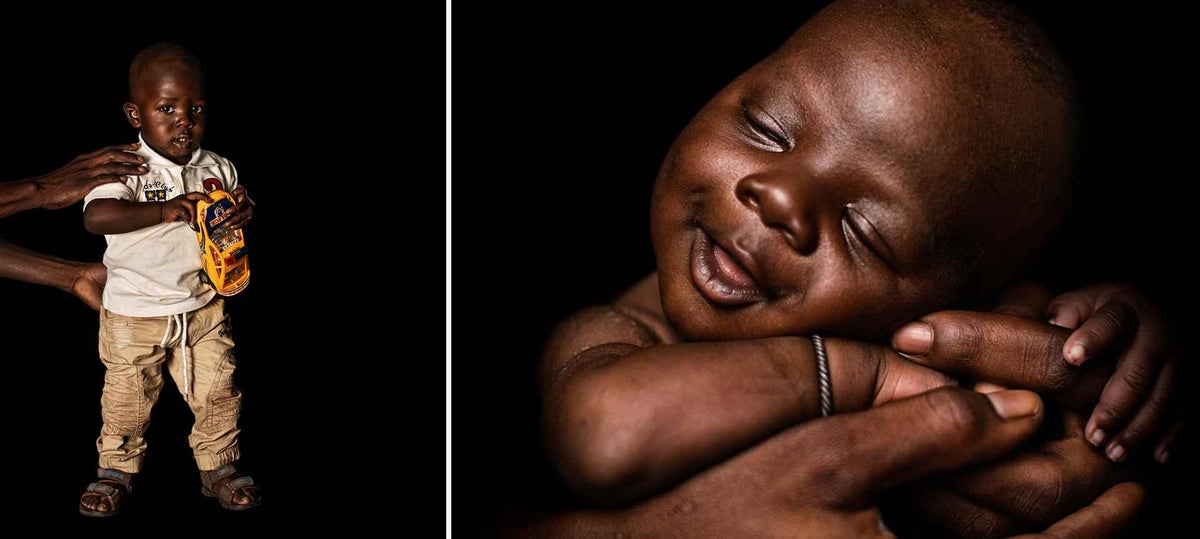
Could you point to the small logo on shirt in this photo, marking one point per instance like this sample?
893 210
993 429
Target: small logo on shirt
156 191
213 184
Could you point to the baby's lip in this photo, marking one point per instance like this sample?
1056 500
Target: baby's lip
725 276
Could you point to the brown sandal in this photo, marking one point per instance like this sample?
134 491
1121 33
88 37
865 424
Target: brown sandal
225 482
110 489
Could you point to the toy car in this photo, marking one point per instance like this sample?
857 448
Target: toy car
223 251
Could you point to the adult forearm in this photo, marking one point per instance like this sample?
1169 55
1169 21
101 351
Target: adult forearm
113 216
21 264
635 420
18 196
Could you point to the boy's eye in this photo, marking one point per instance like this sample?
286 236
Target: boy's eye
197 109
166 109
767 130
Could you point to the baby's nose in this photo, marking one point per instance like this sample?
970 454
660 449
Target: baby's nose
781 206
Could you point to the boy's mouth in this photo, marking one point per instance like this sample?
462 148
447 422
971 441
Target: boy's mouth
182 140
719 276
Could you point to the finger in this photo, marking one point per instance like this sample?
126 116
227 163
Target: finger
870 451
1100 332
113 156
958 515
998 348
190 210
1162 452
126 169
240 219
107 178
1036 486
1070 309
988 387
131 147
1105 517
869 523
1149 420
1026 300
1137 371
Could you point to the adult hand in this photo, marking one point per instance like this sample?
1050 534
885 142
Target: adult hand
1010 345
88 284
1028 490
71 182
821 477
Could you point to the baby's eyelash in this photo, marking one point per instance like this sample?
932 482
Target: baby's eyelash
760 128
864 239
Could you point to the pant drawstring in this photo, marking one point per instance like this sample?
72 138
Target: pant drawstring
179 326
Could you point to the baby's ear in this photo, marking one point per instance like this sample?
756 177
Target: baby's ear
133 115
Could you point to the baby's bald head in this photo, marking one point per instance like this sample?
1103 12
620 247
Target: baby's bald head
1008 113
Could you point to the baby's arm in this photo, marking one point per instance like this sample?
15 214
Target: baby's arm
117 216
629 410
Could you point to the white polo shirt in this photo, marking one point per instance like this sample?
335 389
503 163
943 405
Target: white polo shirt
155 271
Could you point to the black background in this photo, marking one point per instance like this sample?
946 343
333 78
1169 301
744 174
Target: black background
561 119
335 124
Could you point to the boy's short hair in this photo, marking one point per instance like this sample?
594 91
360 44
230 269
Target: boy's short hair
165 50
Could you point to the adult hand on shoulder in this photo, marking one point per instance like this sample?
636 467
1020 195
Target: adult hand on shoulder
71 182
821 477
1011 346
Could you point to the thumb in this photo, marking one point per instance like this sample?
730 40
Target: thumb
874 450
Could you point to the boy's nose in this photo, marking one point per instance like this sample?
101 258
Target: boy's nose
781 205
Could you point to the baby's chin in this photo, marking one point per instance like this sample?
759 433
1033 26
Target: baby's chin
697 320
701 321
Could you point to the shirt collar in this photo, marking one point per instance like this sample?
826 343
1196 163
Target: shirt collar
157 160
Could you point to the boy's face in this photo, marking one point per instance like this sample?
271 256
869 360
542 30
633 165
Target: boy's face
169 108
834 187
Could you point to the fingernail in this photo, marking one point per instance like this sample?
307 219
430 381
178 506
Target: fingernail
1116 453
1075 354
143 167
915 338
1054 322
1015 404
1162 455
1097 437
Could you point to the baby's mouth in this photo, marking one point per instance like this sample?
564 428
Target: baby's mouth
719 276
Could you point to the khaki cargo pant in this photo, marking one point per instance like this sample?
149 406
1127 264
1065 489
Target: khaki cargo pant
132 351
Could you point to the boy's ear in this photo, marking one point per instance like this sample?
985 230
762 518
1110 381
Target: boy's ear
133 115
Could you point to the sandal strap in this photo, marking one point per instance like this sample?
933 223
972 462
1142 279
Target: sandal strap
101 488
231 487
222 472
115 475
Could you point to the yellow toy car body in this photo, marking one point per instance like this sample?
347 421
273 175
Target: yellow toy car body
223 251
